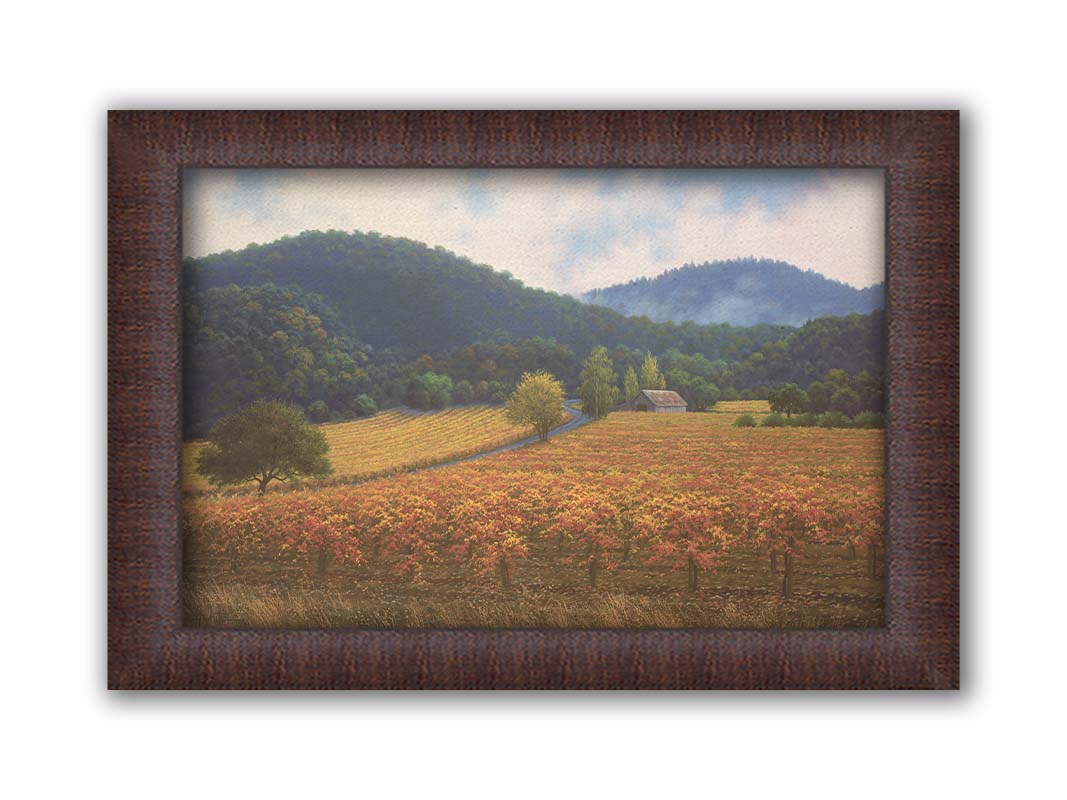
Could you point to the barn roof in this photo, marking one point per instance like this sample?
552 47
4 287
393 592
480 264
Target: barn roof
660 397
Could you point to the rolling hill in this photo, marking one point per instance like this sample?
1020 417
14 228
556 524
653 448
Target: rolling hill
740 292
397 293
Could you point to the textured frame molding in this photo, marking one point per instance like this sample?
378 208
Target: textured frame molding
148 648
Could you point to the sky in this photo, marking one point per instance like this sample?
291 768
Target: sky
568 230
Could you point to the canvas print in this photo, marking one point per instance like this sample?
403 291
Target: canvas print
529 398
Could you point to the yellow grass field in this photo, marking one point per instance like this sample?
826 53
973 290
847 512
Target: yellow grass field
735 408
396 440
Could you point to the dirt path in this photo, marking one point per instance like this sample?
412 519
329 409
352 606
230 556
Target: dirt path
577 420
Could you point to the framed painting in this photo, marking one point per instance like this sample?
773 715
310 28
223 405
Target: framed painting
533 400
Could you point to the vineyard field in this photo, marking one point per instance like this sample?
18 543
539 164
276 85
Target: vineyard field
638 520
396 440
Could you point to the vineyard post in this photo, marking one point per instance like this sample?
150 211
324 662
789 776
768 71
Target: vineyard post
787 578
505 573
323 561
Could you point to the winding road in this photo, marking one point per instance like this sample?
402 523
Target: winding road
576 421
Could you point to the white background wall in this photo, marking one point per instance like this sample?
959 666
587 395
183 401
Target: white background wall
63 67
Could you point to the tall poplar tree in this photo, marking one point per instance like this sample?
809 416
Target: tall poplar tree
651 377
630 386
599 391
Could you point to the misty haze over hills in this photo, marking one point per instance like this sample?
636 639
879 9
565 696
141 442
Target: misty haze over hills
741 292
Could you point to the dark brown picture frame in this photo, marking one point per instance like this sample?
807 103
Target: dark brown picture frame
149 649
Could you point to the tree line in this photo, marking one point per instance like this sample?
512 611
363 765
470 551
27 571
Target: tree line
244 343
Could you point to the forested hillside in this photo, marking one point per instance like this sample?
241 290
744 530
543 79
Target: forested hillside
855 344
738 292
400 294
246 343
343 324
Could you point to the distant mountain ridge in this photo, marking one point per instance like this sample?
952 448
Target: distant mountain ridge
740 292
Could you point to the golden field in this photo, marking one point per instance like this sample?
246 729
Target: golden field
395 440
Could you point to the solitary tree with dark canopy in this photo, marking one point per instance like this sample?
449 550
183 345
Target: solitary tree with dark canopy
263 442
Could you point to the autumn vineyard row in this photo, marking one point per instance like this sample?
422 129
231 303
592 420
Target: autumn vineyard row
680 494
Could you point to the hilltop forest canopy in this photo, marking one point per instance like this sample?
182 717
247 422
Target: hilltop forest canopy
342 324
744 291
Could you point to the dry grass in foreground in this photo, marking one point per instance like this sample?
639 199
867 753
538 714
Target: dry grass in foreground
832 591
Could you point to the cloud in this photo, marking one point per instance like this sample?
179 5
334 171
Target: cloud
568 230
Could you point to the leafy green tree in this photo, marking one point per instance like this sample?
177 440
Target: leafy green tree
598 390
463 392
837 378
870 390
819 395
266 441
702 394
651 378
319 411
630 386
846 401
364 406
788 399
499 391
429 390
729 394
538 402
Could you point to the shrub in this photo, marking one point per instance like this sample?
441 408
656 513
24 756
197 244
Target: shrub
774 421
834 419
745 421
806 420
868 419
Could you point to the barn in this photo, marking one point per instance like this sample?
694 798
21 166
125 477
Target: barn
659 401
